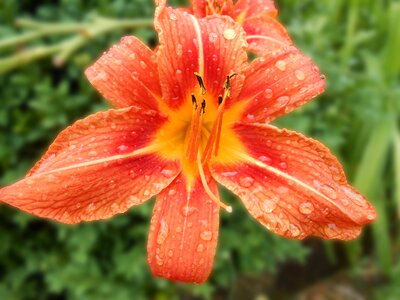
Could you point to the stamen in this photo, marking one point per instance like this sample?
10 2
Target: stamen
214 139
195 130
201 83
213 197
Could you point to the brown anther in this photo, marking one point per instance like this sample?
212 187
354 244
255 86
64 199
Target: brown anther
227 83
201 83
194 101
203 107
220 99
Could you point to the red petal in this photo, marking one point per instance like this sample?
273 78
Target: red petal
127 75
294 186
212 47
183 232
278 83
265 34
96 168
253 8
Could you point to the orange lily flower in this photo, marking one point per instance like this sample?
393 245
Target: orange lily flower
258 18
187 116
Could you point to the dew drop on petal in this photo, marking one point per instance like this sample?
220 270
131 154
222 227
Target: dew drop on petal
268 205
357 198
171 192
173 17
268 93
212 37
281 65
200 247
329 191
92 153
143 64
294 230
283 101
229 34
122 148
206 235
306 208
283 165
179 50
163 233
167 173
246 181
299 75
331 230
188 210
229 174
170 253
265 159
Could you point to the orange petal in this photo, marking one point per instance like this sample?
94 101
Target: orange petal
96 168
214 47
279 82
127 75
293 185
184 232
265 34
253 8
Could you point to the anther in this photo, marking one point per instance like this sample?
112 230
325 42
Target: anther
219 99
194 101
227 83
203 107
201 83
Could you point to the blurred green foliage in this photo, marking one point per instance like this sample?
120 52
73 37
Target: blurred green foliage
355 43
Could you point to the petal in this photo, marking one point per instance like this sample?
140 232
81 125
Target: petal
293 185
265 34
214 47
279 82
96 168
183 232
127 75
252 8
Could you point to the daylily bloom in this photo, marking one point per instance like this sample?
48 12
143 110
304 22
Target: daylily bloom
257 17
193 113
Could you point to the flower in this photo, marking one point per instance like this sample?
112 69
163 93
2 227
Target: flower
258 18
193 113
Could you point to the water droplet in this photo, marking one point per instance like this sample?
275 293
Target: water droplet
171 192
143 64
163 233
113 125
268 205
283 101
294 230
92 153
170 253
206 235
331 230
214 57
329 191
179 50
132 200
283 189
212 37
229 174
146 193
132 56
306 208
250 116
299 75
246 181
281 65
91 207
122 148
167 173
229 34
357 198
268 93
265 159
371 216
188 210
173 17
178 229
200 248
283 165
159 260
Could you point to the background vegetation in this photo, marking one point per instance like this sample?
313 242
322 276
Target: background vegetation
42 90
